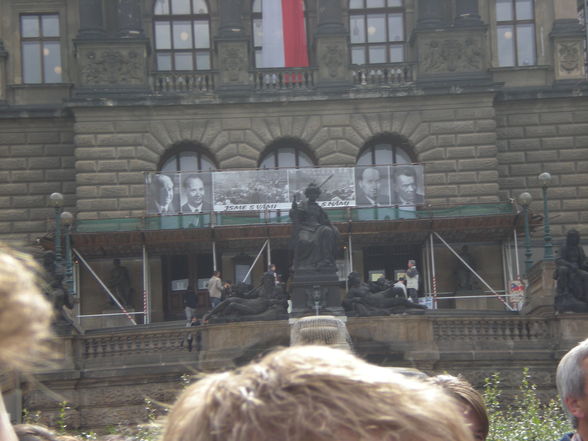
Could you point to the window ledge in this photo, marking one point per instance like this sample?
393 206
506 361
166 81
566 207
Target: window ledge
523 68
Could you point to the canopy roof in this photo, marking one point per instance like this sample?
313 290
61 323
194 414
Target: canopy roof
180 234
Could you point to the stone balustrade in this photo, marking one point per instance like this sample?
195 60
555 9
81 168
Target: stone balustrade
182 82
283 78
383 75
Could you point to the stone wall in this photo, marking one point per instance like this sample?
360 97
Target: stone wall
454 136
112 373
36 159
546 135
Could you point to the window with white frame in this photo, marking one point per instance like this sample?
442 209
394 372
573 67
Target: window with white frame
377 33
515 31
40 48
182 35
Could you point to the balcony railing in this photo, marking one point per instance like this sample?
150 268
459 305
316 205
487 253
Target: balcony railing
191 82
283 78
383 75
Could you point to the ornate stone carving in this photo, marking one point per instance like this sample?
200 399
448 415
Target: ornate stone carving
333 59
112 67
452 55
233 61
569 56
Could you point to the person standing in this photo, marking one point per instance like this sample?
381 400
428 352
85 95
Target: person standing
412 281
215 289
190 304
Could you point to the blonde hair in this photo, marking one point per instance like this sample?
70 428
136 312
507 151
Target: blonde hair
25 314
313 393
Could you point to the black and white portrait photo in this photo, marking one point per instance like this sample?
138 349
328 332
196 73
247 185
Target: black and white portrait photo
196 193
372 186
407 185
162 193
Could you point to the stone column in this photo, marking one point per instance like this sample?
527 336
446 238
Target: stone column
332 54
466 13
568 42
3 57
91 19
330 18
232 49
231 23
431 13
129 19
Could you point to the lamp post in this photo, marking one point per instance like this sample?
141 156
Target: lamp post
525 199
545 180
67 221
56 201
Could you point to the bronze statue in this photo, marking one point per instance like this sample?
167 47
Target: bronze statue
463 275
314 239
54 289
361 301
120 283
267 302
571 274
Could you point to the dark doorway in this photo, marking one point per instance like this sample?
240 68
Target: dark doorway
178 271
390 260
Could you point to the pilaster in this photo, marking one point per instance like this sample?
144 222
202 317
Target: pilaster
568 43
3 57
332 54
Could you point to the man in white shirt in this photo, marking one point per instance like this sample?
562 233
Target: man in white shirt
215 289
412 281
400 284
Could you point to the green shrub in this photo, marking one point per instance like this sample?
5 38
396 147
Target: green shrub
526 418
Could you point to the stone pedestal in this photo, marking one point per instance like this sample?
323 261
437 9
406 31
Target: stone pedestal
316 294
112 66
540 291
332 61
233 60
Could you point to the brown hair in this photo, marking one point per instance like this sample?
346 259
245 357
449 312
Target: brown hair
313 393
459 388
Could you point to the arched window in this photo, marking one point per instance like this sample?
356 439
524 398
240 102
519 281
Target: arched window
182 35
377 31
287 153
187 157
279 33
385 150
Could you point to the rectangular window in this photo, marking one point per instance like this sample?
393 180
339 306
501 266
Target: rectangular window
40 48
515 33
377 31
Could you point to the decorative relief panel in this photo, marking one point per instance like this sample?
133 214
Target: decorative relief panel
569 59
233 63
452 55
112 66
332 56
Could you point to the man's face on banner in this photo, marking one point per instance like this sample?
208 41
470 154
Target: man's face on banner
166 190
406 187
370 182
195 191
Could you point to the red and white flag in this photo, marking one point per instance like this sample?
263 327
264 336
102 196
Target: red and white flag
284 34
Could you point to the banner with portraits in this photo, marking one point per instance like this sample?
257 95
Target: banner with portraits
260 190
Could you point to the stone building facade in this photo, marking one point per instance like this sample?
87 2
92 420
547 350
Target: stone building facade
93 95
485 95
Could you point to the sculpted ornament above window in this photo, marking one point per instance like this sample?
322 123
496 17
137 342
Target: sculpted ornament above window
105 66
452 55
